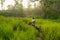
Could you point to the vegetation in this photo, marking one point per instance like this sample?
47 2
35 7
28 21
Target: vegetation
15 22
16 29
51 9
12 28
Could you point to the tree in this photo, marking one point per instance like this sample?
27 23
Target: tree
18 8
50 9
2 1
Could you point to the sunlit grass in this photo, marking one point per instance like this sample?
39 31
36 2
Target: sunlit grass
25 31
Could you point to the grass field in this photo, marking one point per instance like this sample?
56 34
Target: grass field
13 28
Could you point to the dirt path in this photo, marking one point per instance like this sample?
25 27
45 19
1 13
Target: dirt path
40 35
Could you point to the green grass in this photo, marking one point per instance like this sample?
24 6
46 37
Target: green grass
13 28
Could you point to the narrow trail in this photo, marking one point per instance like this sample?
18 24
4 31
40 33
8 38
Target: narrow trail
39 35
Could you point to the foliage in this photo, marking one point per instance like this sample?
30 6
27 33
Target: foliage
50 9
13 28
21 32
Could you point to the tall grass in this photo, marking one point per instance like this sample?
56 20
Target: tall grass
12 28
16 29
